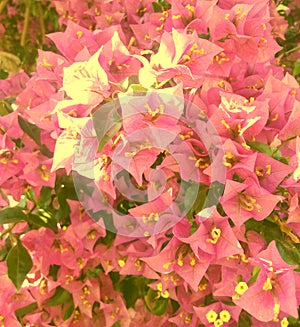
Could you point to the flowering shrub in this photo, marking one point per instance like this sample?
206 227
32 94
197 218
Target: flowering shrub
150 170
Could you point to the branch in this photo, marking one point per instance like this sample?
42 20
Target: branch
26 23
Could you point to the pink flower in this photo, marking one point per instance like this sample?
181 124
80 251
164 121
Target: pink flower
73 40
86 82
218 313
67 141
242 201
270 172
266 298
183 55
178 257
214 236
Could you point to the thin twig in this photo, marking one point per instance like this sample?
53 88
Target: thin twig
292 50
42 24
8 230
3 4
26 24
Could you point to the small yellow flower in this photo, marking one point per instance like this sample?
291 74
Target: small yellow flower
165 294
121 263
225 315
159 287
218 323
211 315
284 322
241 288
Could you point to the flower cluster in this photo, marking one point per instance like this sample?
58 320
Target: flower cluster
150 170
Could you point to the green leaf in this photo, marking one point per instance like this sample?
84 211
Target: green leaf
3 74
132 79
107 122
261 147
289 252
136 88
5 107
69 311
9 62
19 264
45 197
11 215
45 151
244 319
175 305
53 271
60 296
267 229
194 199
293 322
34 132
215 191
5 248
130 291
271 151
204 36
43 221
21 312
158 306
156 7
254 275
133 287
166 5
296 68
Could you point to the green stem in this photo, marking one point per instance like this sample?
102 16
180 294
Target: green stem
41 19
283 143
26 23
293 50
3 4
8 230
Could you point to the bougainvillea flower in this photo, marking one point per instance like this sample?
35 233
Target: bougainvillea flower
78 38
270 172
178 257
242 201
291 127
116 60
266 298
11 163
67 141
86 82
213 236
217 314
184 318
180 54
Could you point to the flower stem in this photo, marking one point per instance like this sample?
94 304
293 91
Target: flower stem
8 230
26 23
3 4
41 19
292 50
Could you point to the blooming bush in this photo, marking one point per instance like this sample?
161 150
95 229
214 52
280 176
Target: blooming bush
150 170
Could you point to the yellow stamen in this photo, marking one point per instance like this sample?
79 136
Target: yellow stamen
215 233
276 311
267 284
